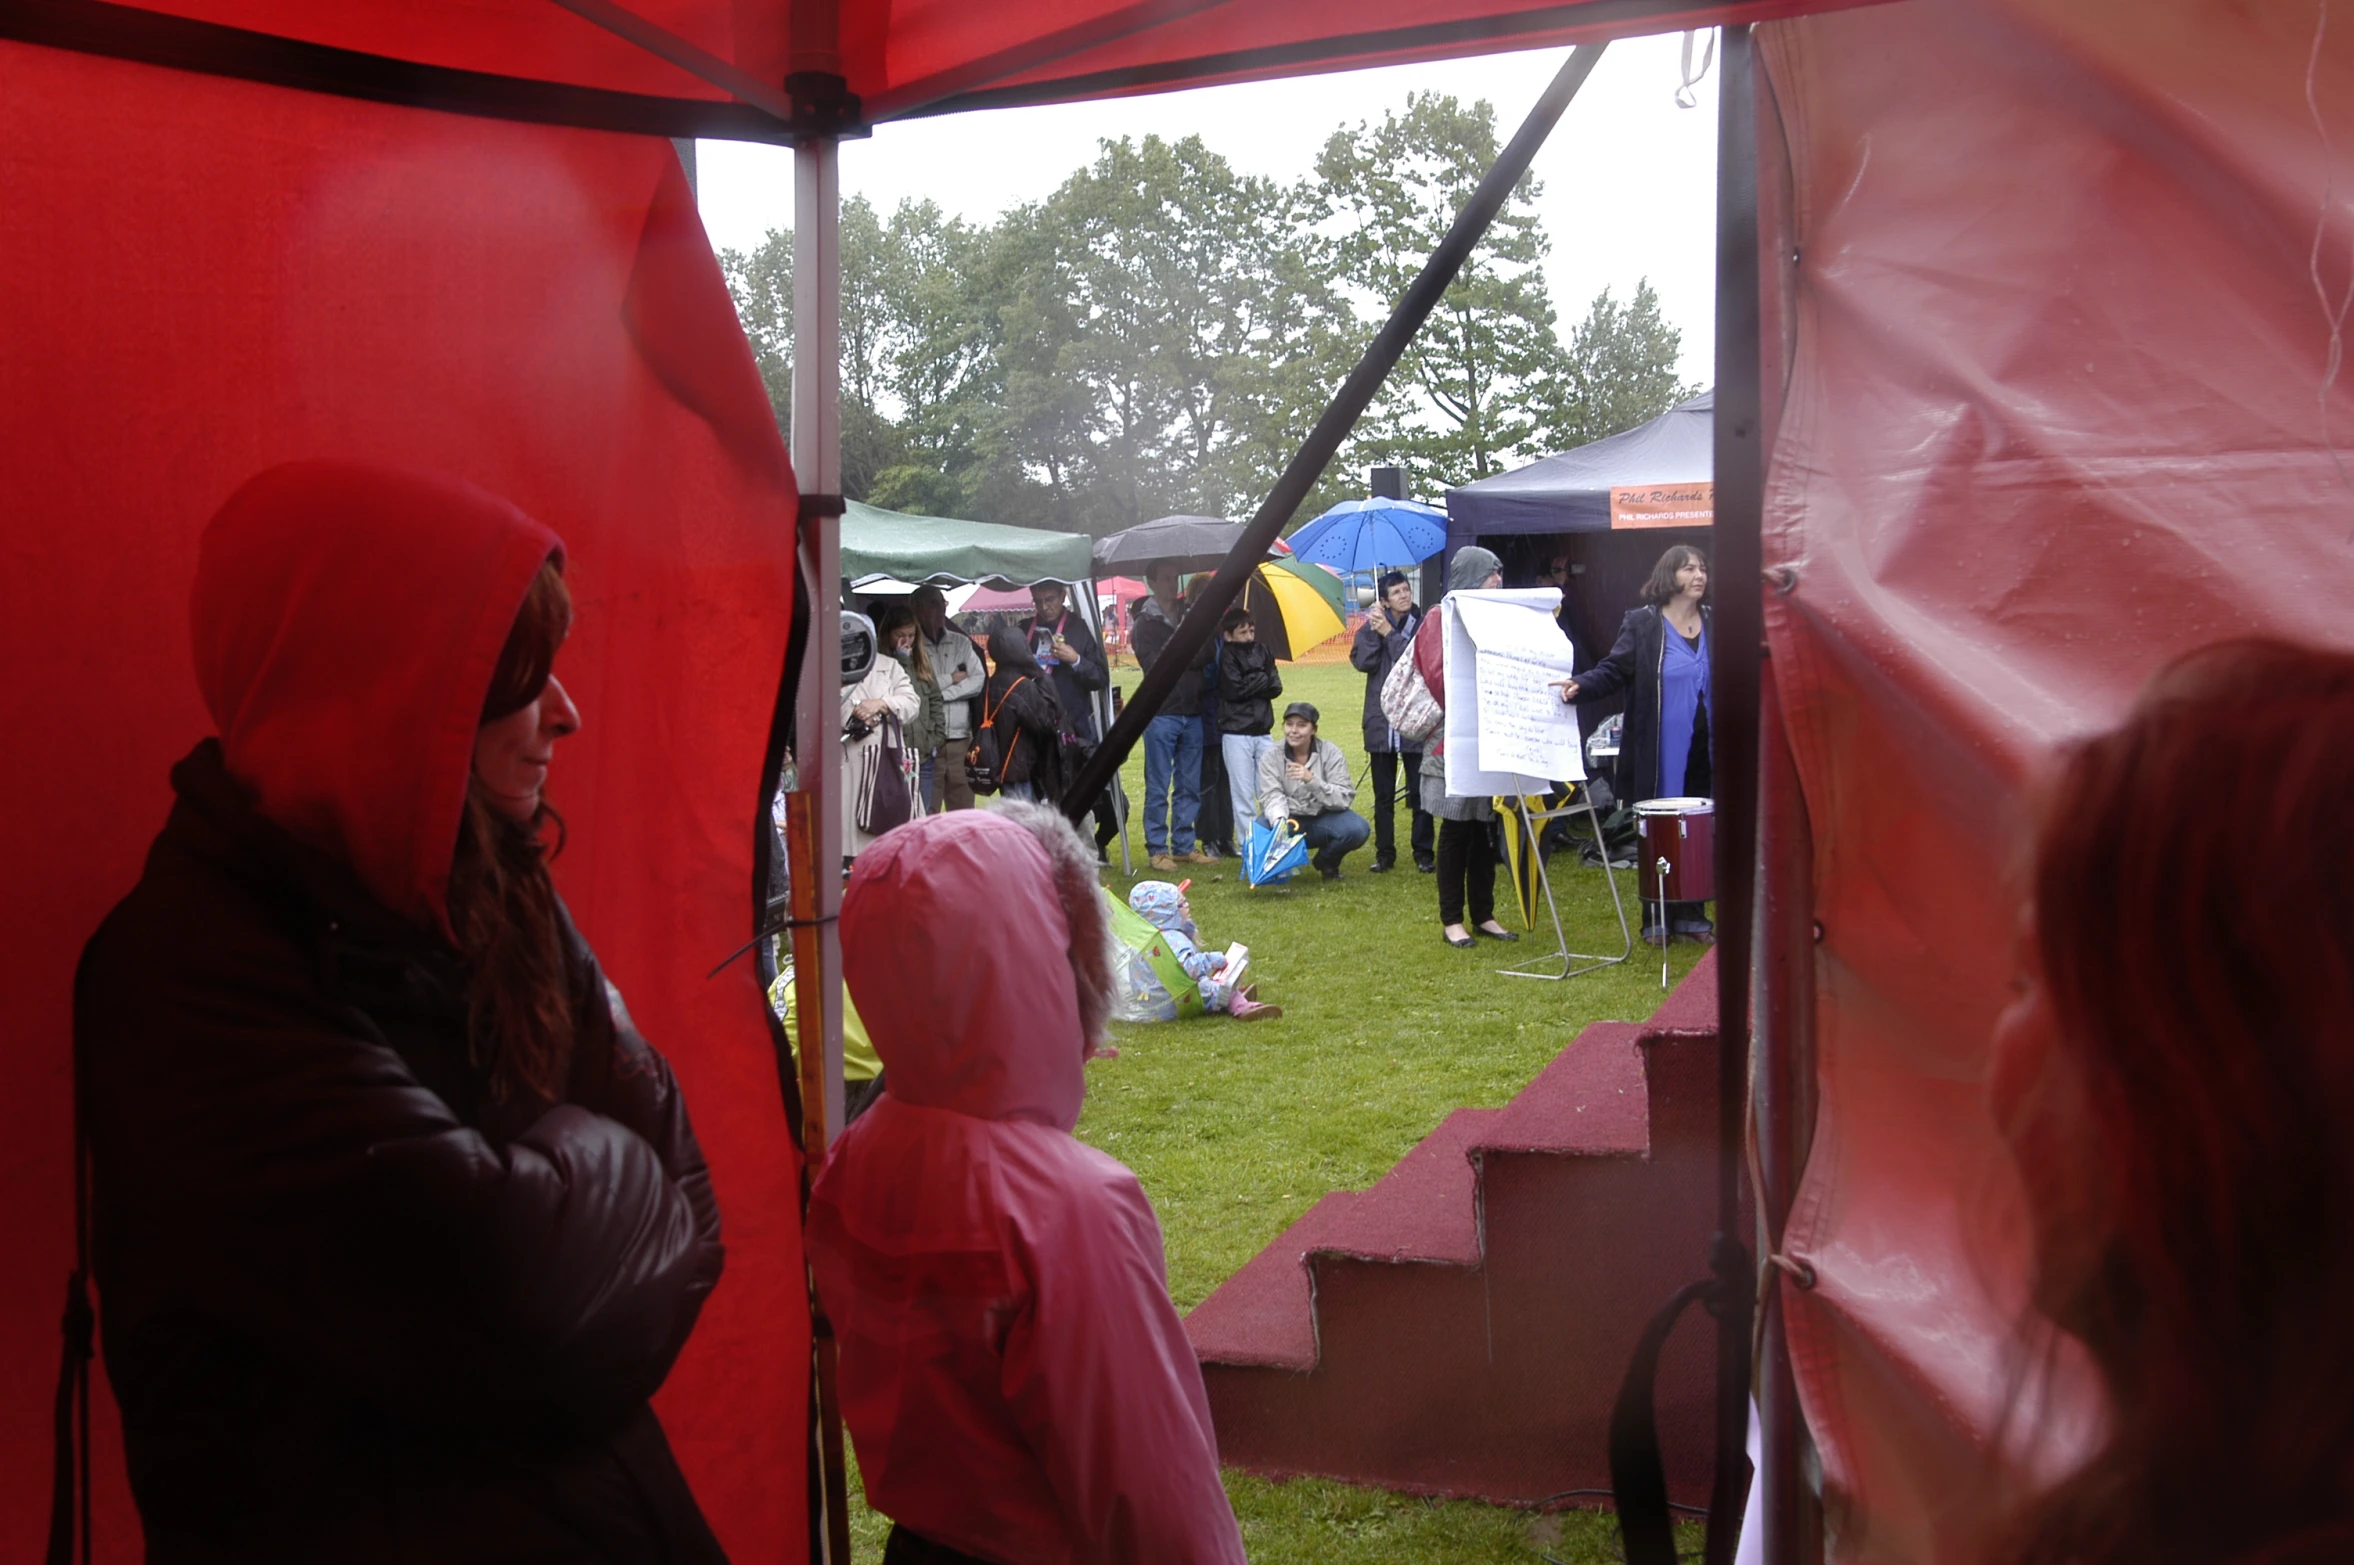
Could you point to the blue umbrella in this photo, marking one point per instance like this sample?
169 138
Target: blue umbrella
1362 537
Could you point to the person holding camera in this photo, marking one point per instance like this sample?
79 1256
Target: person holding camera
885 692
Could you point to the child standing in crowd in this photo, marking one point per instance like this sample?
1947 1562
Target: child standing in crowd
1163 906
1247 687
1017 1382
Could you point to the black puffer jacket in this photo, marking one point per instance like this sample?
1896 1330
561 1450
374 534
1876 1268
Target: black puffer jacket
353 1310
1247 687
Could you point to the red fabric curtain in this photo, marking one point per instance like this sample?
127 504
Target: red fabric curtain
206 277
2050 418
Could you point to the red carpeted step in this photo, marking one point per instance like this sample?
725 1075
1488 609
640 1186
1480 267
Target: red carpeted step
1421 1210
1460 1326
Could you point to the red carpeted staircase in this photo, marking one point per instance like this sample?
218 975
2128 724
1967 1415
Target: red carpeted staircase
1461 1327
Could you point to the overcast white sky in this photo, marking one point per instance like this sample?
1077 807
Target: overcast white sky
1629 178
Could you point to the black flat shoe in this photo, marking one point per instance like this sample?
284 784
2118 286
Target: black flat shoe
1427 866
1379 867
1496 934
1464 944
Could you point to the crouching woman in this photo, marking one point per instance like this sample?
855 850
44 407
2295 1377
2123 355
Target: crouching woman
1306 779
1016 1381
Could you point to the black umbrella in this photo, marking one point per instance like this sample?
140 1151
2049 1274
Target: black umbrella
1191 543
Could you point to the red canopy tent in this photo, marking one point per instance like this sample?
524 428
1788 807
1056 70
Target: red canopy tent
2036 296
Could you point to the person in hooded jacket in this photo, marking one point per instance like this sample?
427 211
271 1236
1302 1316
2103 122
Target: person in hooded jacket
1020 706
1015 1380
399 1221
1466 837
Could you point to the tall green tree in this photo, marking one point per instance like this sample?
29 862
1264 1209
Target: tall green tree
1159 333
1469 397
1620 370
762 285
761 282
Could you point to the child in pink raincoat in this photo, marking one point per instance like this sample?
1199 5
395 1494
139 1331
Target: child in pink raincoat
1015 1379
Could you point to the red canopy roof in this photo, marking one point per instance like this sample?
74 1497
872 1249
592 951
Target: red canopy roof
656 64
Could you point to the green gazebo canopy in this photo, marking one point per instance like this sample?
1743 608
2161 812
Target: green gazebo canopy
876 542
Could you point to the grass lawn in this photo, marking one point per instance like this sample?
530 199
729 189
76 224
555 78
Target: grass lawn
1236 1129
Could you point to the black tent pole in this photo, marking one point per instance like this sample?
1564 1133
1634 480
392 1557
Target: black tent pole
1356 393
1736 653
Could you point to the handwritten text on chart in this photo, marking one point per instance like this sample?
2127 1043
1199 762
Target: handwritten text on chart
1523 725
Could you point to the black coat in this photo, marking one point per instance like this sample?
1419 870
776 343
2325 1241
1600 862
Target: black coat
353 1309
1375 654
1633 666
1075 684
1150 631
1029 725
1247 687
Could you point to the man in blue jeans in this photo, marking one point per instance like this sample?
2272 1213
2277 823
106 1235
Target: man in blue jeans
1173 739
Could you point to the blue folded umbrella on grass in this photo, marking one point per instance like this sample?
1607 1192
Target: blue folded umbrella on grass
1273 854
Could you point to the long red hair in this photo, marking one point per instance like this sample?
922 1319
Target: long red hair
2194 926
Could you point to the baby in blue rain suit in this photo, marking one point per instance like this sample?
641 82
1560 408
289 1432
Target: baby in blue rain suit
1163 906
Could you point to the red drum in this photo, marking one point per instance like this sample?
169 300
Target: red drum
1682 832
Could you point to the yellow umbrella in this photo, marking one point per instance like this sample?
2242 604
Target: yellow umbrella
1295 606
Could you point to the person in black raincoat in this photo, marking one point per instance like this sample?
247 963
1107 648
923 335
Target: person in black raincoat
1661 659
1021 707
399 1222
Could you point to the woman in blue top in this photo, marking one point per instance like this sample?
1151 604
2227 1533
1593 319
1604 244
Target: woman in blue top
1661 657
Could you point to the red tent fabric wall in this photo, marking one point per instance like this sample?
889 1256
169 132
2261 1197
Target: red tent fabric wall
2050 417
205 277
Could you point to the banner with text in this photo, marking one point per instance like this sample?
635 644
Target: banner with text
1662 505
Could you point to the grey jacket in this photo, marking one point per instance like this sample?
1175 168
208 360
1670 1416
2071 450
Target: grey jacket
961 672
1326 788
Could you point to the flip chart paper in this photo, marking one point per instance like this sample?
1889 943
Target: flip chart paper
1507 730
1523 726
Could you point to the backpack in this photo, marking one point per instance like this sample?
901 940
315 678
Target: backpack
1407 704
984 765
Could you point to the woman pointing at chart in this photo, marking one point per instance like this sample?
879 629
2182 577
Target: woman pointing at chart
1661 659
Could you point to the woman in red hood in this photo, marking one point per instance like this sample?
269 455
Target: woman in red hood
399 1221
1017 1382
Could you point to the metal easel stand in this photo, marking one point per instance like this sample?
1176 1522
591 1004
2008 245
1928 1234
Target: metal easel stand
1532 821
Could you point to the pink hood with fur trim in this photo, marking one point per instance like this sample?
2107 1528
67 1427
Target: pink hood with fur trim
952 937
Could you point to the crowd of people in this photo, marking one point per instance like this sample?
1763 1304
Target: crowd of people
1021 695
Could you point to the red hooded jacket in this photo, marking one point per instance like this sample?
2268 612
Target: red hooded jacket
1016 1380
